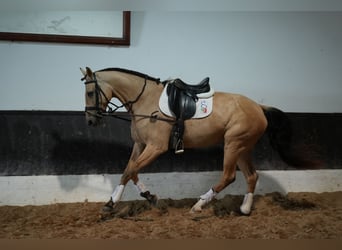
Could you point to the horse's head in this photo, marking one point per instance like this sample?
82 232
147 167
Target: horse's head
97 95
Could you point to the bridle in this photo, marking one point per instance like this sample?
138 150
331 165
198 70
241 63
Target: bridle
112 108
98 96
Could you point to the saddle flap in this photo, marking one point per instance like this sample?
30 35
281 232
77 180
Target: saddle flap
187 106
181 104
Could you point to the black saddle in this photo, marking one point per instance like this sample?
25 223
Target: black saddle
182 98
202 87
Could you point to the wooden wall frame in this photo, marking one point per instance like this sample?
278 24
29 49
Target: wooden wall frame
124 40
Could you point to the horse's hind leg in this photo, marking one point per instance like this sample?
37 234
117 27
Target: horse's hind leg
232 150
247 168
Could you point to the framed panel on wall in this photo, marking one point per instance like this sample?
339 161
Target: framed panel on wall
59 26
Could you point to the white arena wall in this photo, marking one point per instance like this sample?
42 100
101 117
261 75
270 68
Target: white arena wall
43 190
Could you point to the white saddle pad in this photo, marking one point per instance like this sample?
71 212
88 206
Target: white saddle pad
204 104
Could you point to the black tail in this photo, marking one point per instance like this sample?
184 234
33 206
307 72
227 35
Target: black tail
280 133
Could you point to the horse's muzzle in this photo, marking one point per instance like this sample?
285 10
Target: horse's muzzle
91 123
93 119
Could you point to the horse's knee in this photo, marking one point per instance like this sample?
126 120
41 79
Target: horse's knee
128 175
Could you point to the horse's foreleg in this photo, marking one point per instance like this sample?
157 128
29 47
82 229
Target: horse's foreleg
118 191
141 156
140 187
142 190
148 155
246 166
114 198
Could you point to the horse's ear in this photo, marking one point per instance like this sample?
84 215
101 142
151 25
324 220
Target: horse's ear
89 72
83 72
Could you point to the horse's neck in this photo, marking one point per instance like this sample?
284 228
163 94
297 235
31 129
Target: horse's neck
127 88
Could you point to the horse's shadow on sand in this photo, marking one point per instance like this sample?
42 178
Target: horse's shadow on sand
229 205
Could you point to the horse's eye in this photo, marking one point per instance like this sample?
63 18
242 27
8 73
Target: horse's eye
90 94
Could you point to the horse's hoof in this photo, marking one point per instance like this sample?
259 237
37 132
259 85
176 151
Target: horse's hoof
244 211
108 207
151 198
194 210
198 206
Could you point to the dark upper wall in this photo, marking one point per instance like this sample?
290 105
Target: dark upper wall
60 142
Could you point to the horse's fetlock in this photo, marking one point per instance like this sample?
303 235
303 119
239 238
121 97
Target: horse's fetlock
108 207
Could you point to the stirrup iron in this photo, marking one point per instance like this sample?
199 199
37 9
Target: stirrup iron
179 147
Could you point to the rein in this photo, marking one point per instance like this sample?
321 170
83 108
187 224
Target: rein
113 112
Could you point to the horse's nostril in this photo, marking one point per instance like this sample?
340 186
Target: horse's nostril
90 122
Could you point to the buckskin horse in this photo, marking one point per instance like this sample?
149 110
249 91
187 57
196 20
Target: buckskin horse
236 121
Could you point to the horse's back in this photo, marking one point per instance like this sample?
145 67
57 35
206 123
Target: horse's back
245 117
238 108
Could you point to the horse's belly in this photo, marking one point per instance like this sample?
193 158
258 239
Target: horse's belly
202 133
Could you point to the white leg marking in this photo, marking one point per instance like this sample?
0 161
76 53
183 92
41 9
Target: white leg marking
116 196
247 204
140 187
204 199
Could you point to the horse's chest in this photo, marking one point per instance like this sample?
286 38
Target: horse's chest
140 131
135 133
